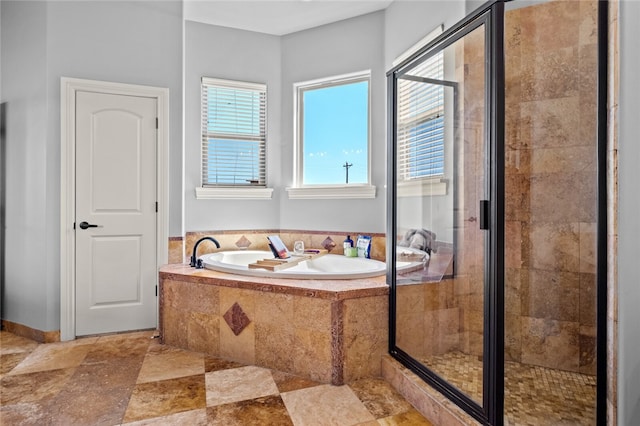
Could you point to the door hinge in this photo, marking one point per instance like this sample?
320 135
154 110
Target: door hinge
74 225
157 123
156 291
156 207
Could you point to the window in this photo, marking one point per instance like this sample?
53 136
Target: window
233 135
421 122
332 137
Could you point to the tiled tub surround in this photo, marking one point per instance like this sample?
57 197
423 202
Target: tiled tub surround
257 240
176 250
331 331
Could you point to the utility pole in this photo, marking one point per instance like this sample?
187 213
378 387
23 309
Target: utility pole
346 166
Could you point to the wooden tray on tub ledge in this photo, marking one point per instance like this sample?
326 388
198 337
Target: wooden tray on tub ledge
276 264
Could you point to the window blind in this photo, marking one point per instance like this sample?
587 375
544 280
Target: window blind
233 133
420 134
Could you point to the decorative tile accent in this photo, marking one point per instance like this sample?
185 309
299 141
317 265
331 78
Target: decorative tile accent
236 319
328 244
243 242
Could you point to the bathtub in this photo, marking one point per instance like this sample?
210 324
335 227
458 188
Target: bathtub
329 266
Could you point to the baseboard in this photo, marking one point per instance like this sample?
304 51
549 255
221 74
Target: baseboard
31 333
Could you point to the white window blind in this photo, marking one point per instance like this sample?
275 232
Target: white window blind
421 121
233 133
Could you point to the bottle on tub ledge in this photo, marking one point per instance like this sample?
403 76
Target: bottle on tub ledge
349 249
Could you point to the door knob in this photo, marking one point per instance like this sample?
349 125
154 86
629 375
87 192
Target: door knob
85 225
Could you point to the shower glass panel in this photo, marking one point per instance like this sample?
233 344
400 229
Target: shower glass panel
441 179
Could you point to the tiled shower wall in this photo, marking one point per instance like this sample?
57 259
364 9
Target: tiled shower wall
551 70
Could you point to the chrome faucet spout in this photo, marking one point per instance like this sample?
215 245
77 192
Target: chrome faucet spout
195 262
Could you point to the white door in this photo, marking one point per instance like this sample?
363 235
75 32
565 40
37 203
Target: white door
115 217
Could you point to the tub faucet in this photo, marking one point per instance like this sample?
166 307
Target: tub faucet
198 262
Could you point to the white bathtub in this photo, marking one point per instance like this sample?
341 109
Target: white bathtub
329 266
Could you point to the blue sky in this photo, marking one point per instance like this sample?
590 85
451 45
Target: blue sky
336 131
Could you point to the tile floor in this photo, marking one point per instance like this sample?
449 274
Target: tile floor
132 379
534 395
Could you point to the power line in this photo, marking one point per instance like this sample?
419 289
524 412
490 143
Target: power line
346 165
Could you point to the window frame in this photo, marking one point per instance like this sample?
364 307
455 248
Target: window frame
351 190
232 191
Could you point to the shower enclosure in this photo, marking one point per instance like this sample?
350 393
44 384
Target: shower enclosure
496 185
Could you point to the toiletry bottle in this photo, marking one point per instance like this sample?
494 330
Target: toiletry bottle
347 244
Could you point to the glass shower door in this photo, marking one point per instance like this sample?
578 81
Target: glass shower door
497 213
440 213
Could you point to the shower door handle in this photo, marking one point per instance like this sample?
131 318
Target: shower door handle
484 214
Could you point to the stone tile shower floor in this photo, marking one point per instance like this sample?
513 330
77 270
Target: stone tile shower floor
132 379
534 396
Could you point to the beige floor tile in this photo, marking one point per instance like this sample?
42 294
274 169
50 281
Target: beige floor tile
53 356
25 413
34 386
325 405
191 418
156 399
125 350
119 337
166 362
380 398
9 361
10 343
268 410
239 384
288 382
409 418
216 364
85 403
132 379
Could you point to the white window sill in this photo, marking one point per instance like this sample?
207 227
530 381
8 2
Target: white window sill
246 193
325 192
421 188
